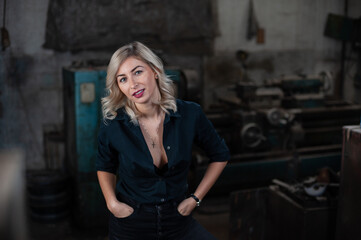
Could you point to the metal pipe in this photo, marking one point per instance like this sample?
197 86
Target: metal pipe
343 56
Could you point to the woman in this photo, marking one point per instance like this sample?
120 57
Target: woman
146 139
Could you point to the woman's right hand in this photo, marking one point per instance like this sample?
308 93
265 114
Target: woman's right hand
120 209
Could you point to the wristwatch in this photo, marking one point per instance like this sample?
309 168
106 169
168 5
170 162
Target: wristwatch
196 199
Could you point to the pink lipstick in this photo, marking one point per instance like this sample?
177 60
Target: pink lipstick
139 93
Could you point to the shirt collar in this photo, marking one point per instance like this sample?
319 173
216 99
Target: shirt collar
171 114
123 116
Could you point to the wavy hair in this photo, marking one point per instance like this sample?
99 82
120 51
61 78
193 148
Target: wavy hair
115 99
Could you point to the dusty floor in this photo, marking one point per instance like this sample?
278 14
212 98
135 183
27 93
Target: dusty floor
213 215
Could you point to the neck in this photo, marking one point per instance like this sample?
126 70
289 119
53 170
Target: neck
149 110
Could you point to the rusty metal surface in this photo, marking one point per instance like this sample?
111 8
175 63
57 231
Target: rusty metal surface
269 214
173 26
82 119
349 213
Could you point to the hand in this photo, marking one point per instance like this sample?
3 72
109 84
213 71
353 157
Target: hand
186 206
120 209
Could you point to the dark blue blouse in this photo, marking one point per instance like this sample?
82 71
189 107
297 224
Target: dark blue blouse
123 150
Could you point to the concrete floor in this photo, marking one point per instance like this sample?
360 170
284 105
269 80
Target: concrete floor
213 215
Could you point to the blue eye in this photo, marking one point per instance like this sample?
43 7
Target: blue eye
122 80
138 72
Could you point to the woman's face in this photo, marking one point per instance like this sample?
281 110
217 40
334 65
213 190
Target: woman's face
136 80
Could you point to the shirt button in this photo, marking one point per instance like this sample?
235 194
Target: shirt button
168 147
162 199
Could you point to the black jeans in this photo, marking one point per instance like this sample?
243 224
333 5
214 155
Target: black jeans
158 222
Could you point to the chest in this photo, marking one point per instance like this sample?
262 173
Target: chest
134 155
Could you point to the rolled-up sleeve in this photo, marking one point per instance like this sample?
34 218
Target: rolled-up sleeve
208 139
106 157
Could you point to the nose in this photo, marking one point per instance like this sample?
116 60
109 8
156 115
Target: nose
134 84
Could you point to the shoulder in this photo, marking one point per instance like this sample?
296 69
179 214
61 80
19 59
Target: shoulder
105 127
187 106
108 124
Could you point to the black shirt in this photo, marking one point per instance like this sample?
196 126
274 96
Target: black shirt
123 150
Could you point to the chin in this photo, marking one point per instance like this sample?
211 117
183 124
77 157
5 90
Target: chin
140 101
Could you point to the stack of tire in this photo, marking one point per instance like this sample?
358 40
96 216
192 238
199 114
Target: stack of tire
48 195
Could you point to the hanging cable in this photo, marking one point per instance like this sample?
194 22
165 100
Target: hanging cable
4 12
5 39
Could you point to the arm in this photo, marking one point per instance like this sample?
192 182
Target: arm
208 139
107 184
214 170
106 166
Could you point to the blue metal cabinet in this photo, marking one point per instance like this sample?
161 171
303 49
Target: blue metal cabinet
83 89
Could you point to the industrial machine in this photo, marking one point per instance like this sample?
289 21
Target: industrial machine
284 129
289 112
270 213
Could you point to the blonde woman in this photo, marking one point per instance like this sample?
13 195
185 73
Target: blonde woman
144 151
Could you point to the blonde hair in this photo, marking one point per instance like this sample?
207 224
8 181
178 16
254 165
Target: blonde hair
116 99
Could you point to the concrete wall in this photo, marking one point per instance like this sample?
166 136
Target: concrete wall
31 81
31 84
294 41
289 24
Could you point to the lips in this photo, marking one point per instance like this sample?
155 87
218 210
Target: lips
139 93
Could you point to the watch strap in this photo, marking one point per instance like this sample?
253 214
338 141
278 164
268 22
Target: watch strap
198 201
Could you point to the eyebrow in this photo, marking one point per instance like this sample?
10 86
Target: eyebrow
130 70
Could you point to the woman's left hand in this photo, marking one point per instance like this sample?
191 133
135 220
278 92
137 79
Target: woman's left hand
186 206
